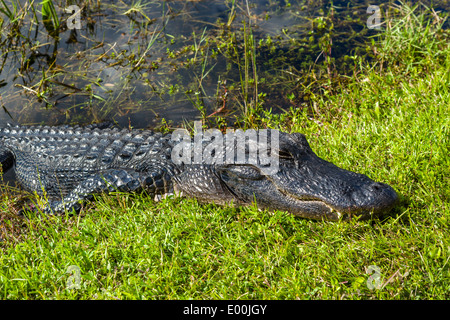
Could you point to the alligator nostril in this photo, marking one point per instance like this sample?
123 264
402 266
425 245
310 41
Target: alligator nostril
384 191
377 186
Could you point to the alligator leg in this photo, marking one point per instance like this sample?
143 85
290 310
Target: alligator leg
153 181
111 180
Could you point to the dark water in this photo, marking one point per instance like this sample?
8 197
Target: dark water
157 63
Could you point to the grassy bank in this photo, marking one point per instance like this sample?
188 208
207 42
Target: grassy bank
389 120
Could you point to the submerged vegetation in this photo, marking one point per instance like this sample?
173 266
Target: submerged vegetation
372 101
154 63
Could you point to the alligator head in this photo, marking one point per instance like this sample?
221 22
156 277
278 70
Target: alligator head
306 185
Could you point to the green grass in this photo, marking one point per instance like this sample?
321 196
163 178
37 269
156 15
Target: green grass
390 120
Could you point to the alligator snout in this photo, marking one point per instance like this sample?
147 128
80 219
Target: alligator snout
371 199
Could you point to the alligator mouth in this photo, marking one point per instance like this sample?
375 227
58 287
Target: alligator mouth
315 208
318 210
311 208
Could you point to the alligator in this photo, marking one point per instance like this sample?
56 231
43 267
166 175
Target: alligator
72 164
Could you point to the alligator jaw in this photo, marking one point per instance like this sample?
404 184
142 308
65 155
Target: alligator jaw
315 208
319 210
